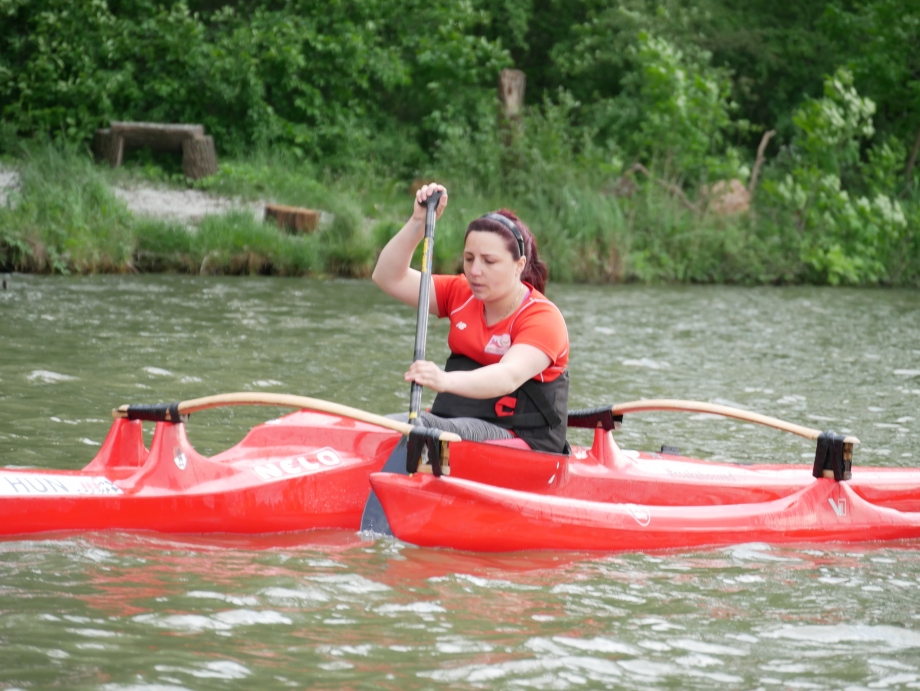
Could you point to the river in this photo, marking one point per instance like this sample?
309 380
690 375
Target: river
337 610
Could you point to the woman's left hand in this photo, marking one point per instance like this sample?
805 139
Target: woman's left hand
427 374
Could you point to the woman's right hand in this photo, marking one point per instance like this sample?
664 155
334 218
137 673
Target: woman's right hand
425 191
393 272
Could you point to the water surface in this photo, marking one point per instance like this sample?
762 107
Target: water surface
339 610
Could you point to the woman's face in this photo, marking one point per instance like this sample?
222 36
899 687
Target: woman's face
489 267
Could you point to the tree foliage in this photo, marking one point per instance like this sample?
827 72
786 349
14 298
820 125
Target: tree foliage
339 78
685 87
881 45
846 237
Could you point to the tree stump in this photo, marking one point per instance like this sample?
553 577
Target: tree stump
198 157
108 147
294 218
511 85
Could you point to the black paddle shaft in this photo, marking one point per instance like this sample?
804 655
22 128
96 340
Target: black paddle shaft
374 519
424 292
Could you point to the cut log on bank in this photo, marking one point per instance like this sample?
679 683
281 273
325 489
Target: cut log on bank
198 157
293 218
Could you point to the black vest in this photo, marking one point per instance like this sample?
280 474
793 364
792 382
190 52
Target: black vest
536 412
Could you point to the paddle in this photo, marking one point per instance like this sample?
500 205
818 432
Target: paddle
424 295
373 518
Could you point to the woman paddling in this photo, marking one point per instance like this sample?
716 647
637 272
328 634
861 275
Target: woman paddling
506 374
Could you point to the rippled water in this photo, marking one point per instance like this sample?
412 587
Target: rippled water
336 610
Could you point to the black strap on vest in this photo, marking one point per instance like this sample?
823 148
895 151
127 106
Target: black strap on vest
532 389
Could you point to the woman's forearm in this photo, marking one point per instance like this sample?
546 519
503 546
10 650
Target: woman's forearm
490 381
393 269
520 363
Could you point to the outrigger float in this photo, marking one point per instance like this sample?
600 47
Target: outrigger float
607 499
314 468
303 471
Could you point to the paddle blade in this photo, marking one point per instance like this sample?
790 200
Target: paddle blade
374 519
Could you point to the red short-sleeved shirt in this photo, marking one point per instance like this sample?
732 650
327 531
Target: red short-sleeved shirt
537 322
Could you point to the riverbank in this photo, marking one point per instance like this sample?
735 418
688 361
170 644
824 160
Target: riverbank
59 212
185 206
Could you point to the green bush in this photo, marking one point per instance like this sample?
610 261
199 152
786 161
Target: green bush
844 237
679 113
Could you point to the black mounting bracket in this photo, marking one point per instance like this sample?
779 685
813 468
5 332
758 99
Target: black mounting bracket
592 418
156 412
422 439
833 456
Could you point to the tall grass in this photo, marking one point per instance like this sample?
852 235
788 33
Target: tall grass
595 223
65 218
588 227
234 243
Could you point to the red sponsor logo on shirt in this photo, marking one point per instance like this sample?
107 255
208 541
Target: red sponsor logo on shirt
499 344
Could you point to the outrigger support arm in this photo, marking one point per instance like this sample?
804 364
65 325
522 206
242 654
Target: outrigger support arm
833 456
179 412
723 410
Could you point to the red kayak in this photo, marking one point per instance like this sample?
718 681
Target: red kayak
608 499
313 469
303 471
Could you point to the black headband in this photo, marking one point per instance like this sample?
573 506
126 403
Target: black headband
505 221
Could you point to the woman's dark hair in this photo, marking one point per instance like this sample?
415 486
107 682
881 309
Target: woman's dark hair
534 270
